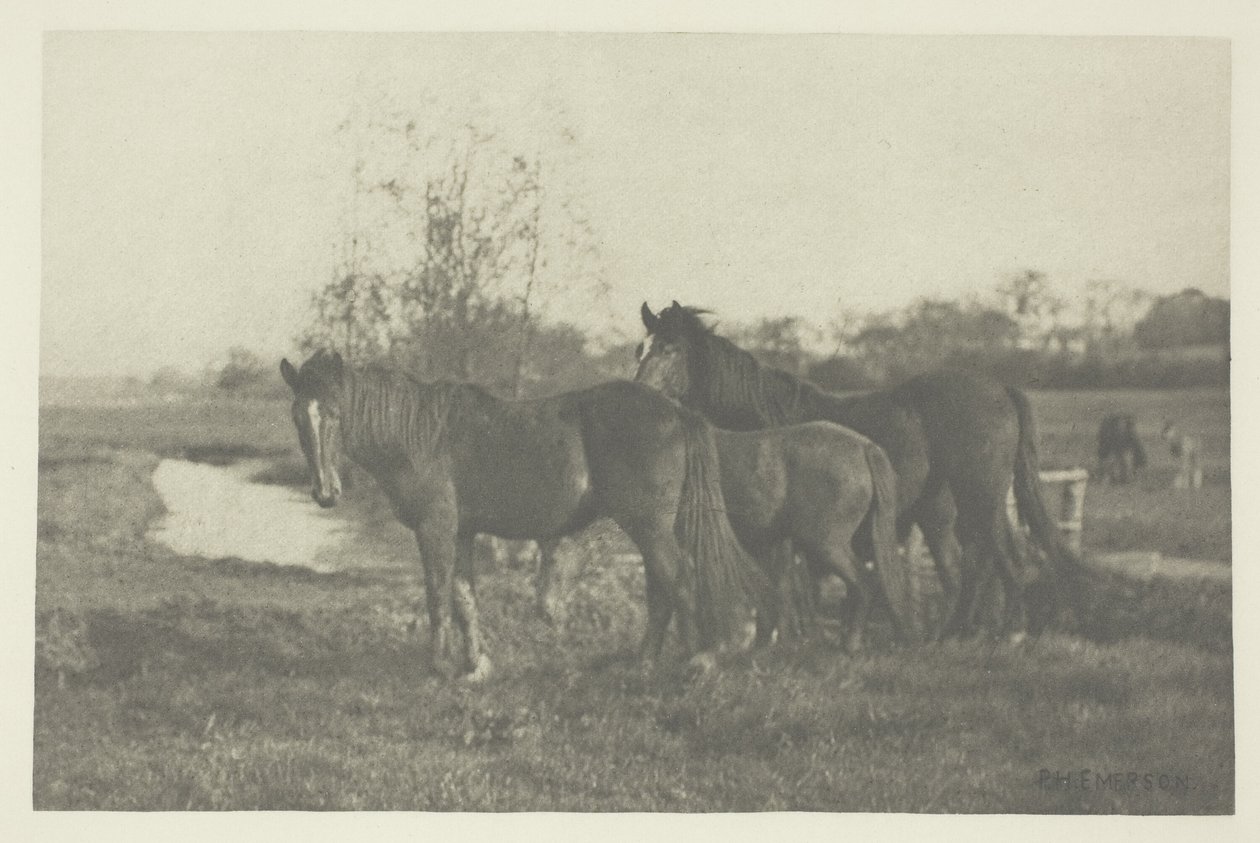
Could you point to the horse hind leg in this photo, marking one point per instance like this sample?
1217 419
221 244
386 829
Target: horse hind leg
796 592
833 556
770 610
774 560
1004 599
936 517
666 590
976 585
1020 616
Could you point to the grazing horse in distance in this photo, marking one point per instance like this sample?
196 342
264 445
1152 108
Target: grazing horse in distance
956 441
1185 449
455 461
1120 451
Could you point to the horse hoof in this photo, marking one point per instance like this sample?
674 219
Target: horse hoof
552 612
1017 638
702 663
481 672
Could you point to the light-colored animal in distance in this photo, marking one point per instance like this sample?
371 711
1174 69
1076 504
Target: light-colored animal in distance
1184 448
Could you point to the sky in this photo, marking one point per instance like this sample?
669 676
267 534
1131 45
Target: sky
197 190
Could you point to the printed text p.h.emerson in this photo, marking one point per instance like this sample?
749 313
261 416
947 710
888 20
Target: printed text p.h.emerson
1115 781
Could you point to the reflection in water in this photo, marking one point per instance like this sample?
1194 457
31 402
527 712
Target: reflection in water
217 512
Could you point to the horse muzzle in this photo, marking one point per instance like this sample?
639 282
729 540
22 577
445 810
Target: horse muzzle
327 501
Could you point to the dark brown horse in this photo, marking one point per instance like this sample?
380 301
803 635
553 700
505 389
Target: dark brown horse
1120 451
456 461
956 441
829 491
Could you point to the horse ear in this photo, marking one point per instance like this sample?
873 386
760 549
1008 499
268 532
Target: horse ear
674 304
337 364
289 374
650 319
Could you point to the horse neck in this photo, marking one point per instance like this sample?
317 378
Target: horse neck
387 418
742 394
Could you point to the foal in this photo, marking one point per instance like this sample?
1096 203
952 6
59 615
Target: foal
832 492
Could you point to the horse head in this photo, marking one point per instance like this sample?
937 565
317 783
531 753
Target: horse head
665 355
316 414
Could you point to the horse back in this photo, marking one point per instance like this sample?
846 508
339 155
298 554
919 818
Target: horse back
634 442
970 426
782 481
540 468
519 468
828 466
892 420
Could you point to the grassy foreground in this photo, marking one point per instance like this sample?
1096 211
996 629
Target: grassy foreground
170 683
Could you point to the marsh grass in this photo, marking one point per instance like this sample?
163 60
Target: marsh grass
177 683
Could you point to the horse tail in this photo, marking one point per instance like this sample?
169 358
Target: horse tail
892 569
723 576
1067 568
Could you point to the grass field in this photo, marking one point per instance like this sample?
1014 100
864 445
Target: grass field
166 682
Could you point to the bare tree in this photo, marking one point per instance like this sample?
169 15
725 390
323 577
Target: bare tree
1028 298
776 341
450 239
1112 308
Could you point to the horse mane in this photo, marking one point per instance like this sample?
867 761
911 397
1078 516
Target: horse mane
731 379
389 412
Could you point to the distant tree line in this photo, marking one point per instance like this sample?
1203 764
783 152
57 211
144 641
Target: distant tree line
1180 340
454 247
1114 337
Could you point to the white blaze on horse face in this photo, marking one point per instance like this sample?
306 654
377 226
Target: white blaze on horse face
324 452
646 347
661 366
317 445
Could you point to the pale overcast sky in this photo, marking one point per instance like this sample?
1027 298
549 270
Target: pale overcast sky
195 185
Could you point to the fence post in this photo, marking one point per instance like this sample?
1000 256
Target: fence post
1071 514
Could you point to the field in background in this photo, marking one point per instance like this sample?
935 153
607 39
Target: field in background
1147 514
168 682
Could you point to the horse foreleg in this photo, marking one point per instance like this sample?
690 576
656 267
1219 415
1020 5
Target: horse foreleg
551 584
437 553
659 613
465 601
769 608
856 607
